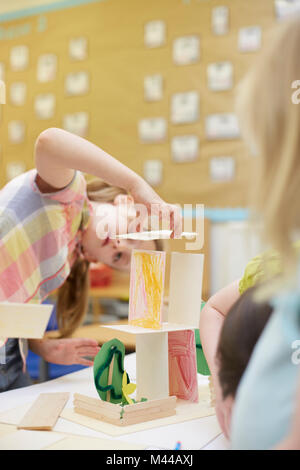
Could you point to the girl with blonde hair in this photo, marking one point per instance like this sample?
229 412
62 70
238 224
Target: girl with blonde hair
49 233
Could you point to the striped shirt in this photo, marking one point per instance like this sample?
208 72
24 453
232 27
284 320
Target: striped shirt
39 232
39 237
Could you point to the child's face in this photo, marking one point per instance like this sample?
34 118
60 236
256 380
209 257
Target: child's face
98 244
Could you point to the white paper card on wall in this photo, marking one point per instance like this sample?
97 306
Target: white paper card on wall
185 107
286 8
77 123
222 169
18 93
14 169
16 132
222 126
153 170
78 48
185 148
19 58
153 87
186 50
153 130
2 71
220 76
77 83
46 68
44 106
155 33
220 20
250 39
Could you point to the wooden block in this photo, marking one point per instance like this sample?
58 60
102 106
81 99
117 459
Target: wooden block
44 412
19 320
144 405
131 414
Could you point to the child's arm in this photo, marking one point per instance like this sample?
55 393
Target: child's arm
211 322
59 153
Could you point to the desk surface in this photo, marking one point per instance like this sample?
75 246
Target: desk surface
81 381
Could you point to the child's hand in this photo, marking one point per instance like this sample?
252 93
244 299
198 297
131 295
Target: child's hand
144 194
69 351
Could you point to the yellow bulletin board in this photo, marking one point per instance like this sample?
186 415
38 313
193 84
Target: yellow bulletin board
117 63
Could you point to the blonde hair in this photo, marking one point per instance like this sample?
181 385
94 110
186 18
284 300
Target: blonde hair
271 125
73 295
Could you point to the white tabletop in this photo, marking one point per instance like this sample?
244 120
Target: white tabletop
82 382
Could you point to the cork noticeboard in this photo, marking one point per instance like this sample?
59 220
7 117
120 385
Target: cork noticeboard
117 63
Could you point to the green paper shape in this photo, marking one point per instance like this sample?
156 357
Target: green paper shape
113 348
202 366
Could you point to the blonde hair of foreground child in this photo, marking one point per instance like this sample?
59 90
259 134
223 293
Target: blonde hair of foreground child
72 298
271 125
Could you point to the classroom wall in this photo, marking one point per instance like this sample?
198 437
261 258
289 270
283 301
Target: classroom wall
117 63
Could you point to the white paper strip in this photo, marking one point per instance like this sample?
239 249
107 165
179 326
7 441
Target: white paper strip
153 235
185 288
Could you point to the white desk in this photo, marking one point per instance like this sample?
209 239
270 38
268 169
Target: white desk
83 382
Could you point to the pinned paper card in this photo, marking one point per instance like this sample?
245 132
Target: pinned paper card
152 130
2 92
222 169
2 71
19 58
44 105
185 148
183 365
46 68
14 169
153 87
222 126
286 8
155 33
78 48
220 20
220 76
16 132
146 288
76 123
18 92
186 50
153 170
77 83
250 39
185 107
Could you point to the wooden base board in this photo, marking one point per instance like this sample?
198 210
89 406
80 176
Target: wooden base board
126 415
185 411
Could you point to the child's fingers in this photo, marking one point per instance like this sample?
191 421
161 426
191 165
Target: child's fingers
86 351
